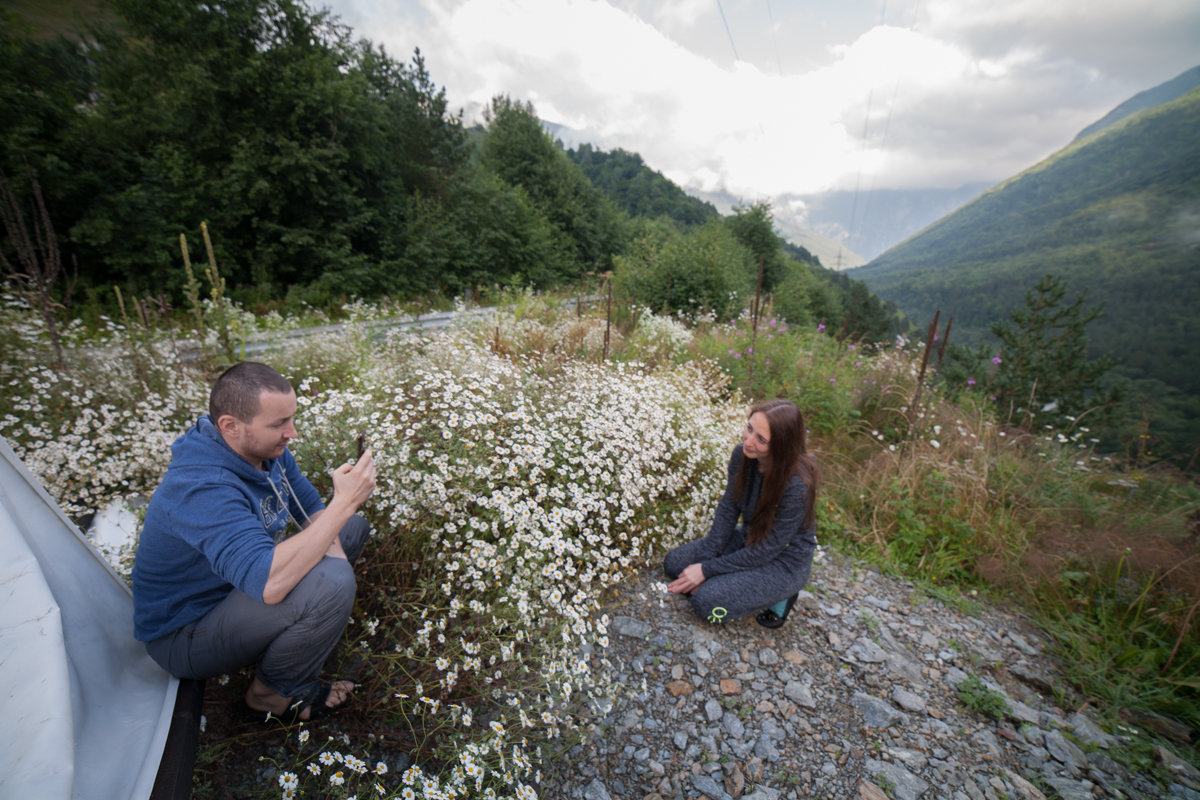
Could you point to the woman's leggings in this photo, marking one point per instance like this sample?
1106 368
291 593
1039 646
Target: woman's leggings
732 595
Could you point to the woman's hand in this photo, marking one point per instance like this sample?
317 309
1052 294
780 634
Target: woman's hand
688 581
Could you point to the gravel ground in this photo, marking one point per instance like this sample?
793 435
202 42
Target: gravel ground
856 696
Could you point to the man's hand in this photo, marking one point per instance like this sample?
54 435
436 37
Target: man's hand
354 484
688 581
298 554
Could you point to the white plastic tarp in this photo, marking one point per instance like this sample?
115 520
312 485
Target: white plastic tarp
86 711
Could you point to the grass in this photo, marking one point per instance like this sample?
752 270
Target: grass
977 697
522 475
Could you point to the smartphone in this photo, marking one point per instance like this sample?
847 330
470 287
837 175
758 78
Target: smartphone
361 446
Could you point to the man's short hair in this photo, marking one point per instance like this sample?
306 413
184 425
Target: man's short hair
236 392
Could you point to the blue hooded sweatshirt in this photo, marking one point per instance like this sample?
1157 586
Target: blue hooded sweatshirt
211 527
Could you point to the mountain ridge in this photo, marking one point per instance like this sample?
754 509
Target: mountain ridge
1116 213
1163 93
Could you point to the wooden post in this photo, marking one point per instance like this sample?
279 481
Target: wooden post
754 329
924 364
608 320
945 338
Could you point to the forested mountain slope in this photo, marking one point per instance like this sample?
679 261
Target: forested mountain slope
1116 214
638 190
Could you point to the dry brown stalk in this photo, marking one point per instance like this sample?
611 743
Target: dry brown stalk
40 261
924 365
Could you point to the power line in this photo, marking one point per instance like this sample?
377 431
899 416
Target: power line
887 124
774 40
728 32
866 124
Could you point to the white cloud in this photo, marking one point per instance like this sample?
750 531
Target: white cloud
968 91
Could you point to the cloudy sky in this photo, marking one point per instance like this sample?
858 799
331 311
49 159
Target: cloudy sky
768 98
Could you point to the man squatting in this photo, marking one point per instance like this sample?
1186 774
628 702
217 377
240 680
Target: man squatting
218 584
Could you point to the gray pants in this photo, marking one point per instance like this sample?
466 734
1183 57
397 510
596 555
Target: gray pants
289 640
722 598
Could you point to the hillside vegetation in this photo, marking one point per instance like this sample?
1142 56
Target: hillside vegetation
1117 215
639 190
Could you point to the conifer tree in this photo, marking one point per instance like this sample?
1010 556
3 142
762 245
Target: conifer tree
1043 371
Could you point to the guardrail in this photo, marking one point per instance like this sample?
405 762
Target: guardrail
431 321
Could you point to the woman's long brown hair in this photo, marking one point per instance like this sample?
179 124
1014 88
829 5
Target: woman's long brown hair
788 456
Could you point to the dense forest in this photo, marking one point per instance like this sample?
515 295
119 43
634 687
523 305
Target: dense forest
638 190
1114 217
325 169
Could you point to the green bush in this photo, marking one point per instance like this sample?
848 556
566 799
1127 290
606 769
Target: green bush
703 270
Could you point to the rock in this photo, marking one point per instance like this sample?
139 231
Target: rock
869 791
907 700
1025 789
795 658
1032 677
1017 641
985 744
904 667
1180 792
1019 712
910 758
955 676
1176 765
762 793
735 783
680 689
1090 732
799 694
1065 752
730 687
633 628
596 791
1068 789
867 652
906 785
771 729
765 749
877 713
708 786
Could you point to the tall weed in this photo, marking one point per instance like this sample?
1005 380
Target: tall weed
1124 639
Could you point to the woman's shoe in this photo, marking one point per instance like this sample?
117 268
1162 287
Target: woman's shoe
777 614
